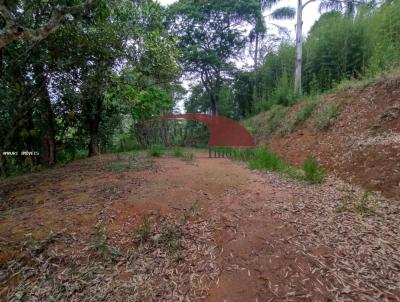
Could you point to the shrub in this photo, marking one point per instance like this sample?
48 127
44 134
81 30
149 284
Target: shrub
325 117
313 173
156 151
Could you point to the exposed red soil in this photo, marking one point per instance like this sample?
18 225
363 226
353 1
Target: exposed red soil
362 145
275 240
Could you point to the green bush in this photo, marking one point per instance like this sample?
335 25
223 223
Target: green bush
313 173
156 151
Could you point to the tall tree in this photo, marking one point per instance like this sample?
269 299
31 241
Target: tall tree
260 26
349 6
209 37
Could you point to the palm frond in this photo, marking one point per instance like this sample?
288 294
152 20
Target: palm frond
267 4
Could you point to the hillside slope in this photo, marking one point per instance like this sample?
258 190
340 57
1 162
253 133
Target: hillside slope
360 142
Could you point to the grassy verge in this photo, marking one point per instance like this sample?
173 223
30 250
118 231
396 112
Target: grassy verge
265 160
184 154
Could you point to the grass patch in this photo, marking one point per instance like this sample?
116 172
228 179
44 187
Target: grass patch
263 159
313 173
156 151
188 156
183 154
244 154
360 206
276 118
302 115
118 167
325 117
130 162
177 152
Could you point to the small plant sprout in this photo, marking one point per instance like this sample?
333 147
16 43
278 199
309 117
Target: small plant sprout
144 230
362 207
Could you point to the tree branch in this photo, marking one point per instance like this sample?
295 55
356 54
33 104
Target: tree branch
12 31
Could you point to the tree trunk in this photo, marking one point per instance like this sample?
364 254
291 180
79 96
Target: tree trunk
94 138
256 52
214 104
48 140
20 118
299 48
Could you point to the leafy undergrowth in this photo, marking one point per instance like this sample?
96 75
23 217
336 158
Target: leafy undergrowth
162 248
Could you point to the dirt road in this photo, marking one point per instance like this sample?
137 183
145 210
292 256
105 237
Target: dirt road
250 236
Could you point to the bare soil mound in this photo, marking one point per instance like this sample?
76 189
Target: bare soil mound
362 145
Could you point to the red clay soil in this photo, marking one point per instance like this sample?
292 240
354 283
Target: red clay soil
271 239
363 144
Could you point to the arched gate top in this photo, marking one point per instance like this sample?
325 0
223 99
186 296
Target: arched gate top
224 132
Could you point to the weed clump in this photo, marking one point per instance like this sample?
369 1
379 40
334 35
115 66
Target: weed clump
276 118
171 236
313 173
361 207
101 246
302 115
326 116
188 156
144 230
